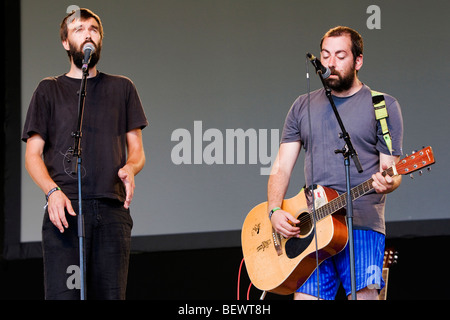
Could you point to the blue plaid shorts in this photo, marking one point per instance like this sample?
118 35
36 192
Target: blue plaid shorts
369 254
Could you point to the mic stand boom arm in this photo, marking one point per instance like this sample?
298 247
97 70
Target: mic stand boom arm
347 151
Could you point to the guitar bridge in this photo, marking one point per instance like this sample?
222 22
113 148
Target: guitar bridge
277 242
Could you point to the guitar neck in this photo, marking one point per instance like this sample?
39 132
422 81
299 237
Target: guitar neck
340 202
412 163
383 293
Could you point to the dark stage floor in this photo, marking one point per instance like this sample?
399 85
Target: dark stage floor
212 274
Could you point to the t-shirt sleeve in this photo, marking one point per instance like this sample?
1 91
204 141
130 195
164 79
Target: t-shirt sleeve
136 118
291 130
37 114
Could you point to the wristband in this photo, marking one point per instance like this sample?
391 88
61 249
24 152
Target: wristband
272 211
51 191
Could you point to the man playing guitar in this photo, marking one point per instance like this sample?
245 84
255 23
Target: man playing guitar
342 53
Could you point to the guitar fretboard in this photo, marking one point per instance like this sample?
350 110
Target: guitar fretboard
341 201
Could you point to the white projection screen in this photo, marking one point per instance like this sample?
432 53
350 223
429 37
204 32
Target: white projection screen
217 78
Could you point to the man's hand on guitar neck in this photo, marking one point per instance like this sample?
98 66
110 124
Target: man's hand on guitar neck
386 184
285 224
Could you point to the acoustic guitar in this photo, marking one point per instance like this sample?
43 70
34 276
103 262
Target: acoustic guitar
278 265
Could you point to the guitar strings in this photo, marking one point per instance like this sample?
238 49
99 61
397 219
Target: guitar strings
339 202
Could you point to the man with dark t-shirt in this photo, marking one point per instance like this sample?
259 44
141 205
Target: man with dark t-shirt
112 154
342 52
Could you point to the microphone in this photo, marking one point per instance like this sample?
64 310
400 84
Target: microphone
88 50
326 72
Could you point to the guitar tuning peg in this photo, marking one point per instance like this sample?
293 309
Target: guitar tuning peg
429 169
411 176
420 172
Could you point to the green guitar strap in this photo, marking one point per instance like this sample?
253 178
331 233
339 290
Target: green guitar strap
381 115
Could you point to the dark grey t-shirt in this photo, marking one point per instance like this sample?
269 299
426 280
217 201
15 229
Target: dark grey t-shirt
112 108
357 114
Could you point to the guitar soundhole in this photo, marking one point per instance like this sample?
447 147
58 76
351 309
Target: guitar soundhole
305 224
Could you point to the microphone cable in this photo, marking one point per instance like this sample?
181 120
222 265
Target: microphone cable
308 90
239 282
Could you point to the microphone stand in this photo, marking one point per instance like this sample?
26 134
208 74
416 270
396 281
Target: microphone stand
347 151
77 153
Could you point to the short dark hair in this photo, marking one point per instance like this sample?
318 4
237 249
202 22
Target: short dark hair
82 14
357 40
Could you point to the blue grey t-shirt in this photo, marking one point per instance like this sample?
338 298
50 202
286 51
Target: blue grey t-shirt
358 116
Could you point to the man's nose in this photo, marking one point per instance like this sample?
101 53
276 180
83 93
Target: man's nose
331 61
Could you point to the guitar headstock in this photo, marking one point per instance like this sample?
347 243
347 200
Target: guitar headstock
390 257
416 161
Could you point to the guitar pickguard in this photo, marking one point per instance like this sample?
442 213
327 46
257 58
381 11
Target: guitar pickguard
295 246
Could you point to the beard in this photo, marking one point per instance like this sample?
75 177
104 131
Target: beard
77 55
344 82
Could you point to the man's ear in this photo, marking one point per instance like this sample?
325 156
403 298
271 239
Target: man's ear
359 62
65 44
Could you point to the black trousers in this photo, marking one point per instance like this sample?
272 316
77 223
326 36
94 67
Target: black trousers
107 249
